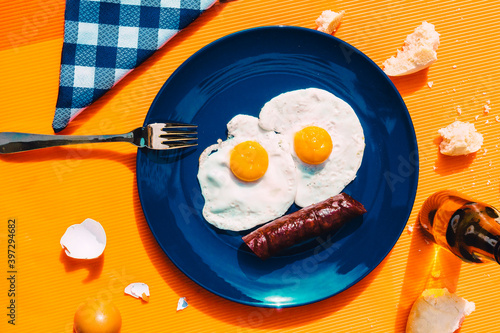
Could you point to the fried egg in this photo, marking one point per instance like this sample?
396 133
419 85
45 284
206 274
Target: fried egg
248 179
323 135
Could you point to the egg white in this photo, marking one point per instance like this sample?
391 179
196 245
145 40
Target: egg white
233 204
290 112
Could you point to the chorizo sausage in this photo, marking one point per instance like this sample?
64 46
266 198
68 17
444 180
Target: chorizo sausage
311 221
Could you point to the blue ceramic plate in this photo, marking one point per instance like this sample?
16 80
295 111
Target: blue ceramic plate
238 74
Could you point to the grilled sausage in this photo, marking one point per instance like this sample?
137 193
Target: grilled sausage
326 216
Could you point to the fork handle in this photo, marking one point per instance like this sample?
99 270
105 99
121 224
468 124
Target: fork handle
13 142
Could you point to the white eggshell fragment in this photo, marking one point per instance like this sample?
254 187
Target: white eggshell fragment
138 290
86 240
182 304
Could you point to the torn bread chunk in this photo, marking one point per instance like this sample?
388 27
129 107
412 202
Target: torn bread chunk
459 138
418 52
438 311
329 21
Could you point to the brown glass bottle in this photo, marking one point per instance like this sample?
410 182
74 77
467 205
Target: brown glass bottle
468 228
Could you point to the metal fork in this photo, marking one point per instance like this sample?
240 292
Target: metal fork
158 136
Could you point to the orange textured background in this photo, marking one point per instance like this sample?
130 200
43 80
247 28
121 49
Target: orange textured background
46 191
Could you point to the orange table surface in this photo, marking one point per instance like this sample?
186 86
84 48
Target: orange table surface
46 191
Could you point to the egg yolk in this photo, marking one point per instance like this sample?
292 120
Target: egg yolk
312 145
249 161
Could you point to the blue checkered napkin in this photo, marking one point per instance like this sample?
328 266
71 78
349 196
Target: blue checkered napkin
104 40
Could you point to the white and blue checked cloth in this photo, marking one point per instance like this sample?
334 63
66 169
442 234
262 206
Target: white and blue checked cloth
104 40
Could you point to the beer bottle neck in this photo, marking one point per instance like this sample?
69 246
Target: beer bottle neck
481 246
474 233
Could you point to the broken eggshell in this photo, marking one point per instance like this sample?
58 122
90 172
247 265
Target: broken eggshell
138 290
86 240
182 304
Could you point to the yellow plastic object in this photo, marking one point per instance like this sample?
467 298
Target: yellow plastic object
46 191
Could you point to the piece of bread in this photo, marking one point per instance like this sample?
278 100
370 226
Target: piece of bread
418 52
459 138
438 311
329 21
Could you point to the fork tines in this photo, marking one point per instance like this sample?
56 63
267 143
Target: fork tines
178 126
176 135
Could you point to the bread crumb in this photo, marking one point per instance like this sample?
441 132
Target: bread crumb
418 52
486 108
410 229
485 151
459 110
454 66
329 21
477 116
488 182
434 167
430 83
497 118
459 138
487 121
